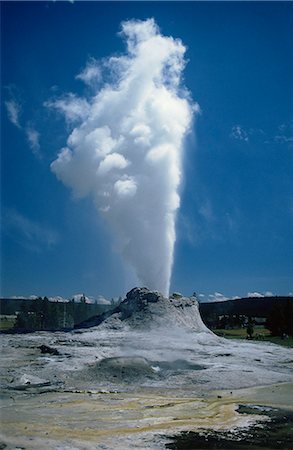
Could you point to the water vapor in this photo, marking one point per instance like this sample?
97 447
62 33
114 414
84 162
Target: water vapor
126 146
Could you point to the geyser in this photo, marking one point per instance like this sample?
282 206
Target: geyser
125 147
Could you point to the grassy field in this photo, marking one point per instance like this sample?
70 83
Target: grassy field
260 334
6 322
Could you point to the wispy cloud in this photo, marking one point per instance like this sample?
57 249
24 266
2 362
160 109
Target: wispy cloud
239 133
187 230
30 234
91 74
13 111
33 138
210 222
286 127
72 107
283 134
206 211
283 139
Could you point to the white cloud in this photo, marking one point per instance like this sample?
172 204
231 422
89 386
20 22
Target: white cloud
201 298
59 299
239 133
217 297
102 300
260 294
78 297
33 137
13 112
126 148
72 107
91 74
255 294
28 233
269 294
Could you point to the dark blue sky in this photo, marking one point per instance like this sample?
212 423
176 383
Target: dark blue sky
234 228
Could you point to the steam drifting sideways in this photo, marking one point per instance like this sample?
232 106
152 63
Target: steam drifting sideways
127 143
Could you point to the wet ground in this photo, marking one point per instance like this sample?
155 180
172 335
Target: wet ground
277 433
107 388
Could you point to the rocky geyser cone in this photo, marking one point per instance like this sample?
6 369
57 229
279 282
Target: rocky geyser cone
145 309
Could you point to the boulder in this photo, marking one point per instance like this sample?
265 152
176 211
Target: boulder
47 349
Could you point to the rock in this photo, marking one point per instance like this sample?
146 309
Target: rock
47 349
142 295
176 295
137 299
28 381
32 380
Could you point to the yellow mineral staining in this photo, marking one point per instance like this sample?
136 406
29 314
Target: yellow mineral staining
92 418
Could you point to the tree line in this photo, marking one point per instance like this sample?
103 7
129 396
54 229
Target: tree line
279 319
42 314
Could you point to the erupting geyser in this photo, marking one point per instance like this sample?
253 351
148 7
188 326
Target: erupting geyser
126 146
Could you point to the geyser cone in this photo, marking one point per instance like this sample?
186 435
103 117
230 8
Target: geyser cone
144 309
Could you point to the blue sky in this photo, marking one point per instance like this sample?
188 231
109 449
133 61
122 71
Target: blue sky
234 226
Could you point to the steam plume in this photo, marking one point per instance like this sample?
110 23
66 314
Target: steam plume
126 147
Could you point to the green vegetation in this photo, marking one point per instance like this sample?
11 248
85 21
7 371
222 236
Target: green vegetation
280 319
261 319
42 314
261 334
7 322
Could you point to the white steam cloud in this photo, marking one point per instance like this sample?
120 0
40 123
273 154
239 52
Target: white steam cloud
126 149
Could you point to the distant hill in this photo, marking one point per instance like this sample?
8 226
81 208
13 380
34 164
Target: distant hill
248 306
